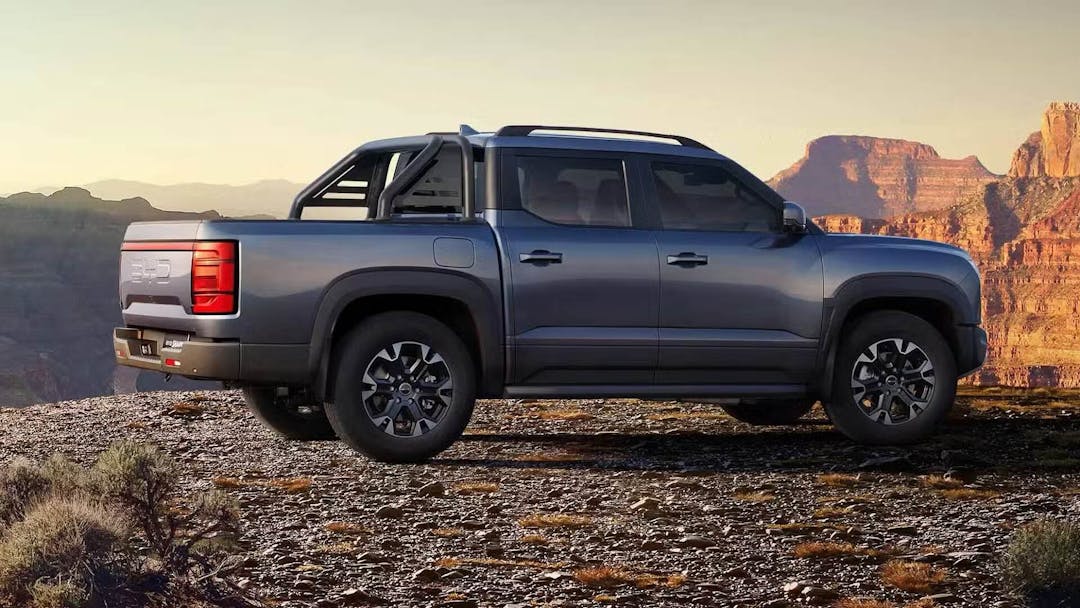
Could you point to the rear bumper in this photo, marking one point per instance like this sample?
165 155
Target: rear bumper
176 354
971 349
203 359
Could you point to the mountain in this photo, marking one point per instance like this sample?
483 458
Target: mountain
1024 232
875 177
268 198
59 264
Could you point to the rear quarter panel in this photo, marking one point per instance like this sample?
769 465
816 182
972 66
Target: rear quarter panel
286 266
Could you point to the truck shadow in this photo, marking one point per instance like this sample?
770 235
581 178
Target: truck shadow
976 445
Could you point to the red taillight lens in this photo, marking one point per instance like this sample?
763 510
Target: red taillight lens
213 277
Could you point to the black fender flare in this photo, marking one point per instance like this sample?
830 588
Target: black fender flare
854 291
484 307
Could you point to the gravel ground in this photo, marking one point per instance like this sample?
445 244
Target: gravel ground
688 505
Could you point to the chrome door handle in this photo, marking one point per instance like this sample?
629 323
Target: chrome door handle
541 256
687 258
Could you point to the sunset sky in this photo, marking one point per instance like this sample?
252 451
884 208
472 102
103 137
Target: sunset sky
237 91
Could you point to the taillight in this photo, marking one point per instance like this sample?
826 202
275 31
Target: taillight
213 277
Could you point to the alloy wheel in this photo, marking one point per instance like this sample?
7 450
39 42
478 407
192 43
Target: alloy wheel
406 389
892 381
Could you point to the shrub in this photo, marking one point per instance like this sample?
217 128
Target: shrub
1043 562
915 577
61 551
22 484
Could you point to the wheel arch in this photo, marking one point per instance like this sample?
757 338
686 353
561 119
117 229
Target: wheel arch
460 301
933 299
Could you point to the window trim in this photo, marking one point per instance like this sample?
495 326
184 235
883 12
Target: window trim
648 179
510 193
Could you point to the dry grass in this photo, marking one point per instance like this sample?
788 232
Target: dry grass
609 577
448 532
968 494
534 539
228 483
550 457
336 549
670 416
555 520
457 562
754 496
861 602
838 480
346 528
290 485
831 512
939 482
476 487
605 599
186 408
825 549
912 576
568 415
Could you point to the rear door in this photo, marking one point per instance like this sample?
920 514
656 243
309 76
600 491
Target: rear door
740 299
582 280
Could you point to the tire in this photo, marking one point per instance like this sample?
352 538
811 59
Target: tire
770 411
274 414
874 400
380 360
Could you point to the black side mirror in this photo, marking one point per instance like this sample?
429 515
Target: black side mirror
794 218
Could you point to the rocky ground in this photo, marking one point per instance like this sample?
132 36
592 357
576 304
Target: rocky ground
591 502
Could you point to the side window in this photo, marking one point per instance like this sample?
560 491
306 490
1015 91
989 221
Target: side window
706 197
574 191
438 191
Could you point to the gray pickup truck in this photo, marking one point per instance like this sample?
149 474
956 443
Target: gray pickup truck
420 273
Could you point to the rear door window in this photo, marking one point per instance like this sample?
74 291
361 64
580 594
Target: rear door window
574 191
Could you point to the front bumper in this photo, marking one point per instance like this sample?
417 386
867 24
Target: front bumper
178 354
971 349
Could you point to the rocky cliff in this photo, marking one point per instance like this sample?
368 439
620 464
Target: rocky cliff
876 178
1054 150
59 259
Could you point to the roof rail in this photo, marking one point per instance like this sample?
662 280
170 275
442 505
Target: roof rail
523 130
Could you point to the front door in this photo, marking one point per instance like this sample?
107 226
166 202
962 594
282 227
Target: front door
740 299
582 281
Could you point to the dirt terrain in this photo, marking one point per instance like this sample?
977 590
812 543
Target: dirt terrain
590 502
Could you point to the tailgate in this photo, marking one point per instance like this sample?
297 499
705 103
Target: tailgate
155 267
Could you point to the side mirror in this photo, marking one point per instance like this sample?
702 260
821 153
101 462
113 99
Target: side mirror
794 218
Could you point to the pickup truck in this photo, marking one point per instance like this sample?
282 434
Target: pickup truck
421 273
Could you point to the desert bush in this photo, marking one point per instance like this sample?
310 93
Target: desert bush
22 483
142 479
60 552
72 537
1043 562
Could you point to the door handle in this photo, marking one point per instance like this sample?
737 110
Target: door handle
687 258
541 256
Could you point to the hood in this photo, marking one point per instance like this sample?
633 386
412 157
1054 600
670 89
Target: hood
843 239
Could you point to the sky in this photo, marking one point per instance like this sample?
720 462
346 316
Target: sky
243 90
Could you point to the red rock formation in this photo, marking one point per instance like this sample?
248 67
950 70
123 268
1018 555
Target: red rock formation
877 178
1054 150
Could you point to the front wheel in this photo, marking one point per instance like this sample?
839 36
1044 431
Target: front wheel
404 387
770 411
894 382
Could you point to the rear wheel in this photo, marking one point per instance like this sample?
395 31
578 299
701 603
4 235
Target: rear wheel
770 411
895 380
404 387
291 423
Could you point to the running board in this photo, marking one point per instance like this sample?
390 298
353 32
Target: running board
591 391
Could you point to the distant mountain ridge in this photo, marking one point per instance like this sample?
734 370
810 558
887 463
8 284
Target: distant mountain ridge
267 198
59 270
877 177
